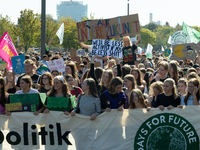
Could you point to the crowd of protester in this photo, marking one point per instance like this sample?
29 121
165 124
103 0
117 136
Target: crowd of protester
131 82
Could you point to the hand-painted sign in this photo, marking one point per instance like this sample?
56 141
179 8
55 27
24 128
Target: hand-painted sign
56 65
108 28
18 64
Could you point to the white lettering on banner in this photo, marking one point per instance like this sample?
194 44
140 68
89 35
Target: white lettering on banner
56 65
141 128
107 48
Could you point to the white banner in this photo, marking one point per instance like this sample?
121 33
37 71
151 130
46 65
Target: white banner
60 33
57 64
176 129
107 48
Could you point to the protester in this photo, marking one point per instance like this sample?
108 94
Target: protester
173 71
55 73
129 56
46 82
44 60
136 99
154 89
192 97
182 85
59 89
113 98
70 82
88 102
10 82
3 96
148 77
140 82
28 65
130 83
169 98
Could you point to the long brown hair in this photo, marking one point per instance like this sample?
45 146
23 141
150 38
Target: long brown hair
48 74
175 70
3 92
110 74
114 82
140 98
74 71
92 86
195 82
157 85
65 89
139 79
27 79
131 78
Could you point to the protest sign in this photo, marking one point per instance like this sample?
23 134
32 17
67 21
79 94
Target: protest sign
108 28
179 37
107 48
7 49
14 106
58 65
135 129
18 64
167 52
184 51
42 69
73 52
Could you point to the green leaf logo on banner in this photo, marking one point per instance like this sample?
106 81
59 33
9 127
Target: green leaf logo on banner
166 131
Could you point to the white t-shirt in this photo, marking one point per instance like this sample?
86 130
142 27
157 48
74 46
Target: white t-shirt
30 92
189 101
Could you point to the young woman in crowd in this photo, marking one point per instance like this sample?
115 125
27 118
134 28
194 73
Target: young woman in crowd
137 100
169 98
55 73
126 69
71 69
111 63
88 103
106 77
148 77
192 97
59 89
10 82
154 89
140 82
26 86
182 85
173 71
130 83
161 74
46 82
70 82
3 95
113 98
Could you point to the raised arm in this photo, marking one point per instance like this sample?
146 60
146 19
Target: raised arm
139 39
83 45
119 72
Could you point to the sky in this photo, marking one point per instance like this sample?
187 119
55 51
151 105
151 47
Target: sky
172 11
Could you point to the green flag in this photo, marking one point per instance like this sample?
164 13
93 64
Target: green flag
194 34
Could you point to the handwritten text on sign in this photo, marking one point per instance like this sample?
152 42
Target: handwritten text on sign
56 65
107 48
108 28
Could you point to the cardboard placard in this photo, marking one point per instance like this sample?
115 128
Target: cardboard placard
58 65
14 106
107 48
18 64
184 51
97 64
73 52
42 69
108 28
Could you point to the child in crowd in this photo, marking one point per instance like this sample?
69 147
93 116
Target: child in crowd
88 103
46 82
182 85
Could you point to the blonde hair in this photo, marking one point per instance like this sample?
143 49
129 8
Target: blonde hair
174 90
183 80
113 61
157 85
130 44
110 74
29 61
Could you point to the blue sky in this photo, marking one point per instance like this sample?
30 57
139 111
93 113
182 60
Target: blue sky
172 11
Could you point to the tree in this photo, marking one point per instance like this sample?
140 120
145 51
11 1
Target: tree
152 26
178 27
167 24
147 36
29 25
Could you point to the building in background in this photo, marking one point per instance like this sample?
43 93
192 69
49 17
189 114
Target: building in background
75 9
151 20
